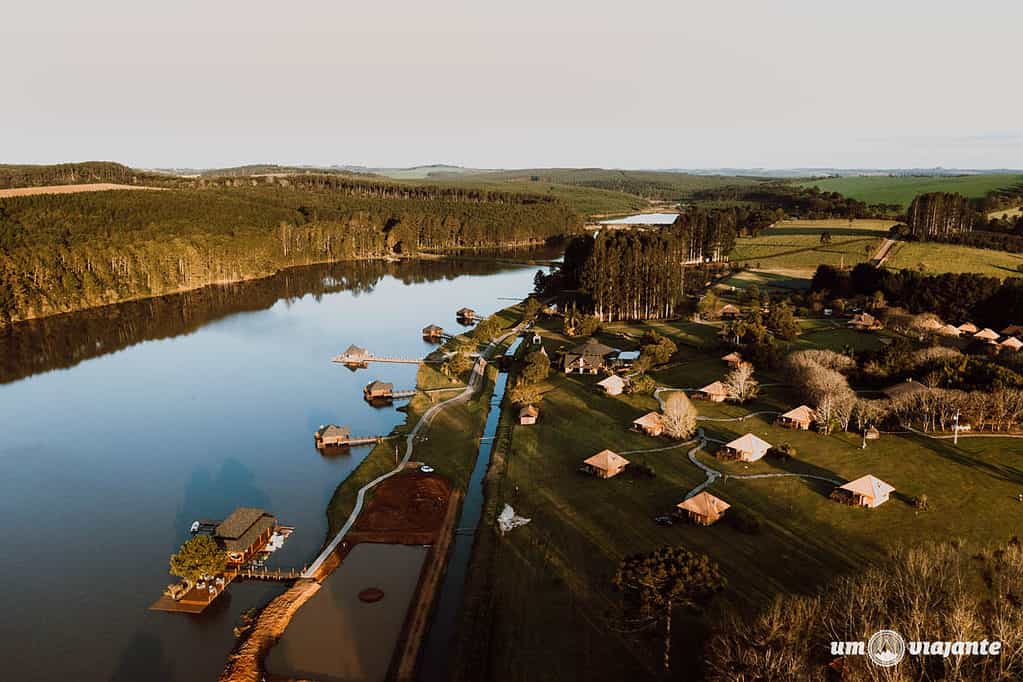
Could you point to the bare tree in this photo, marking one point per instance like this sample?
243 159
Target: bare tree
741 385
679 416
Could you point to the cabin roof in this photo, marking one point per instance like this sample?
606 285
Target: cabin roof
907 387
649 420
869 486
968 328
593 347
716 388
987 334
241 529
605 460
529 411
335 431
732 357
749 443
704 504
611 382
379 386
803 413
355 351
1013 330
729 308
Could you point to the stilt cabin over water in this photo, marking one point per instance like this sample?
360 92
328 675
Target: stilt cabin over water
433 331
244 533
333 436
378 390
466 314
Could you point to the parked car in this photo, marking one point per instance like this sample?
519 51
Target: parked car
664 521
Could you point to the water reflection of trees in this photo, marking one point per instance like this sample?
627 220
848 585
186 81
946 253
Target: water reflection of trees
63 341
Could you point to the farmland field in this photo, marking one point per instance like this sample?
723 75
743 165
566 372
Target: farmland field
796 245
940 258
901 189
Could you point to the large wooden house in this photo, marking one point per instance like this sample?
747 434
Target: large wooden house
378 390
332 435
244 533
588 358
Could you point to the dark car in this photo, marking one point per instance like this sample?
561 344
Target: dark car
664 521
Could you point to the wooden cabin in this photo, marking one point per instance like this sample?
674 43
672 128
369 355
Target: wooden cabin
1013 330
1011 343
605 464
467 314
902 389
730 312
354 355
650 423
968 329
432 331
799 418
378 390
866 491
733 359
612 385
244 533
333 436
703 509
589 358
871 433
988 335
528 415
864 322
716 392
747 448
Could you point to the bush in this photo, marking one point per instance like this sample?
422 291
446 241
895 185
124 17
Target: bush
726 455
782 453
921 502
642 385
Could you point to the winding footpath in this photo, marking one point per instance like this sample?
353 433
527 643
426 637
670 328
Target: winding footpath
474 384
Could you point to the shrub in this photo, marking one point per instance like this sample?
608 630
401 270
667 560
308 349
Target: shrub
783 452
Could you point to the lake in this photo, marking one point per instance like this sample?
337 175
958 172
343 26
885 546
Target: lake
120 426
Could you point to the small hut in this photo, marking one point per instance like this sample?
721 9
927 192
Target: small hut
332 436
605 464
907 387
866 491
528 415
612 385
716 392
703 509
967 329
432 331
730 312
378 390
467 314
1013 330
799 418
733 359
354 355
650 423
871 433
1012 343
747 448
986 334
864 322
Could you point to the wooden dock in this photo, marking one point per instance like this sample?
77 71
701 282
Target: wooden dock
345 359
268 574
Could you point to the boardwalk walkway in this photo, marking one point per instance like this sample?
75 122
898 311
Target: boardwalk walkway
475 383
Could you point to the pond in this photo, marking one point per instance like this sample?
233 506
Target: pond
122 425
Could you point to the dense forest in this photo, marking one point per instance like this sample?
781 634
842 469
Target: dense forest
938 215
794 200
73 174
640 274
956 298
60 253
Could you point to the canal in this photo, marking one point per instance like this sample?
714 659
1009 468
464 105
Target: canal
120 426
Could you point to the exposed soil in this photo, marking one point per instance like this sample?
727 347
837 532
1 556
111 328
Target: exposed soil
68 189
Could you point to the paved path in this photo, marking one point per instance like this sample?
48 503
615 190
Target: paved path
475 382
882 253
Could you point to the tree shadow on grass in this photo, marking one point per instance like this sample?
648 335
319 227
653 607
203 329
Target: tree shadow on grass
946 449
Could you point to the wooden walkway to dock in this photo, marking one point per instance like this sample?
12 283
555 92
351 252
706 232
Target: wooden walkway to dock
344 359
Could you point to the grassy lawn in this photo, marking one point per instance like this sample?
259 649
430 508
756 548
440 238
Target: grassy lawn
766 279
795 245
547 585
939 258
901 190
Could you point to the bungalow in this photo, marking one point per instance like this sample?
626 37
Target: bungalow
605 464
730 312
378 390
1013 330
985 334
1012 343
864 322
528 415
467 314
748 448
949 330
733 359
244 533
799 418
716 392
354 355
703 509
907 387
589 358
967 329
612 385
432 331
626 358
332 436
866 491
650 423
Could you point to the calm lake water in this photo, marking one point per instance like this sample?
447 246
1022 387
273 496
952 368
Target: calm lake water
120 426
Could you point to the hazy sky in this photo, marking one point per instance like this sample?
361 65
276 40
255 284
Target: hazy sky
514 84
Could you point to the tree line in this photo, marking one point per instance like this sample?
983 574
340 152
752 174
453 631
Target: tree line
60 253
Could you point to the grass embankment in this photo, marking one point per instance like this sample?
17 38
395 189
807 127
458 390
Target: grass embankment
795 245
450 444
544 589
901 190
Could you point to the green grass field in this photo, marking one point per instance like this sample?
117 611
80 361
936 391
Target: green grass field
901 190
795 245
940 258
549 594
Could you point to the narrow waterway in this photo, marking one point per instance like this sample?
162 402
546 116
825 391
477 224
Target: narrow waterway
435 657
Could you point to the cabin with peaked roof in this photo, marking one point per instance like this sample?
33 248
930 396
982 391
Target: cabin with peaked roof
864 322
528 415
948 330
244 533
433 331
378 390
716 392
967 329
986 334
1011 343
626 358
703 508
332 435
733 359
650 423
799 418
1013 330
588 358
605 464
905 388
729 312
866 491
612 385
466 314
747 448
354 355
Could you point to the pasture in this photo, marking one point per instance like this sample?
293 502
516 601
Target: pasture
940 258
900 190
795 245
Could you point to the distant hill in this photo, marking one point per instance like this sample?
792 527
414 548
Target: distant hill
87 172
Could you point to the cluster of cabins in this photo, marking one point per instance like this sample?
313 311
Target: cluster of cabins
1007 338
594 357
